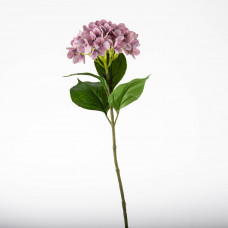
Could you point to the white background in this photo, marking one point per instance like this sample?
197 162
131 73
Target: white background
56 164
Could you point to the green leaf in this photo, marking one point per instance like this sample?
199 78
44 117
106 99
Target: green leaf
116 70
100 69
90 95
126 93
101 79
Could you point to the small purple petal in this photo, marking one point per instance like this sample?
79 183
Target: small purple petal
130 37
85 28
118 50
136 51
101 51
135 43
96 45
70 48
81 49
107 26
117 33
81 41
70 54
106 45
94 54
87 49
75 59
109 40
128 47
92 25
96 31
92 35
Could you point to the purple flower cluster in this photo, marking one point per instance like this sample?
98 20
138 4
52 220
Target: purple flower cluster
101 37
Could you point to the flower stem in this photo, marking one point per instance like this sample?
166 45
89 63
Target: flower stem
113 123
117 168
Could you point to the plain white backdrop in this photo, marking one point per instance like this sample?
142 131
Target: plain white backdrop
56 162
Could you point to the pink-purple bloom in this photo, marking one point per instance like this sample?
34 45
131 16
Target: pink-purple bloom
100 37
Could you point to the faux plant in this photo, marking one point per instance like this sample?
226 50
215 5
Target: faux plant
106 43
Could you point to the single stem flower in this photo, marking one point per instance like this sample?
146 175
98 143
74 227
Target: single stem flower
105 42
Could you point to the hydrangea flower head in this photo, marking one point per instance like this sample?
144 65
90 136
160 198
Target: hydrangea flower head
101 38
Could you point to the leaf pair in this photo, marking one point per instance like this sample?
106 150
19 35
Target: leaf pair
94 95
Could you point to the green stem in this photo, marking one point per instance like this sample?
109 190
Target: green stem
116 118
117 169
113 122
108 119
